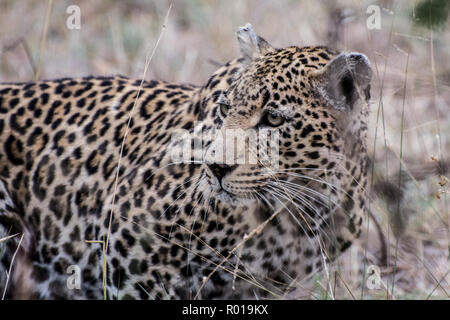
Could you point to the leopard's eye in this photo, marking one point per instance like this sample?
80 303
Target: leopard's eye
274 120
224 108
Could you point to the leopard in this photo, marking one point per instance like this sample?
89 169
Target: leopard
96 203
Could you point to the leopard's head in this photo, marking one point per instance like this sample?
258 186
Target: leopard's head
290 119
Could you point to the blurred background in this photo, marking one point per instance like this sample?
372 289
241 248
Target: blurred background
408 42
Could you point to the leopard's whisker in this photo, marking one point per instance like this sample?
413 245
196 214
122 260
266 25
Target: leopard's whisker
297 205
321 181
314 209
318 180
281 187
297 195
329 184
330 199
316 238
324 200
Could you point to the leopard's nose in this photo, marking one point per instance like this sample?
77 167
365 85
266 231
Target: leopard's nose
220 170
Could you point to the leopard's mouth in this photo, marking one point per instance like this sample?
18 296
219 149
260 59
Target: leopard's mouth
237 193
225 192
236 199
228 188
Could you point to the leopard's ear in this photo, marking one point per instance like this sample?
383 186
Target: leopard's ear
344 80
251 45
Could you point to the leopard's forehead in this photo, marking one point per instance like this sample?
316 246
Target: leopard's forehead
278 79
289 61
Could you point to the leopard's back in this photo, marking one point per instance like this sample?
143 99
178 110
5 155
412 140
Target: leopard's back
62 141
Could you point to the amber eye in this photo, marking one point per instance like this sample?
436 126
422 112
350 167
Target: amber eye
224 108
273 119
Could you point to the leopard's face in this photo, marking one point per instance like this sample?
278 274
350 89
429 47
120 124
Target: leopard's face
283 127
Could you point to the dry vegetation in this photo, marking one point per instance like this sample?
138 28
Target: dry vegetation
115 37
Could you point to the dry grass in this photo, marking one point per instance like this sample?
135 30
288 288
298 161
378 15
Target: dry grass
115 37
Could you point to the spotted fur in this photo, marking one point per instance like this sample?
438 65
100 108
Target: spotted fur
173 223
